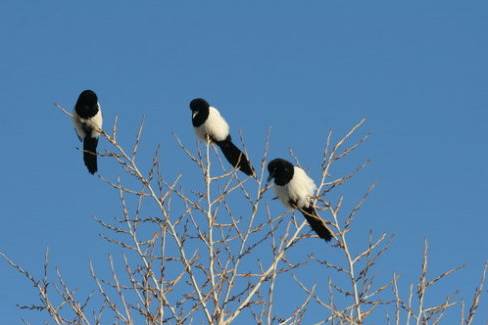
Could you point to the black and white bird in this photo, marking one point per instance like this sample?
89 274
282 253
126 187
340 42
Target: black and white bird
295 190
87 118
208 122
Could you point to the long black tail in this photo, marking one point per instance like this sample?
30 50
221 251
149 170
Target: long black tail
235 156
90 153
318 225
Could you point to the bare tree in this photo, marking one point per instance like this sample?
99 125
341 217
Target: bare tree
216 252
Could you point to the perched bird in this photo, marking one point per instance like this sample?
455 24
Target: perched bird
295 190
208 122
87 118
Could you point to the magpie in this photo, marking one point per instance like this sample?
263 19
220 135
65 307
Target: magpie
208 122
295 190
87 118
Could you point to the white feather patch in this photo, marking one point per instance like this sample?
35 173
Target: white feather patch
300 189
215 126
94 123
79 130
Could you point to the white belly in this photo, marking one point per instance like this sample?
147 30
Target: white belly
300 189
95 124
215 126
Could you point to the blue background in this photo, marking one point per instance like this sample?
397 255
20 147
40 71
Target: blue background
416 70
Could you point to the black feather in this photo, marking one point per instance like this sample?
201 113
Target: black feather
318 225
87 104
90 153
200 110
235 156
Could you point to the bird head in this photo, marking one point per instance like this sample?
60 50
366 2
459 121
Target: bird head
87 104
281 171
88 98
200 109
198 104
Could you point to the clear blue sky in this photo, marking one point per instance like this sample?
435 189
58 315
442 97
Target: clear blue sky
417 70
